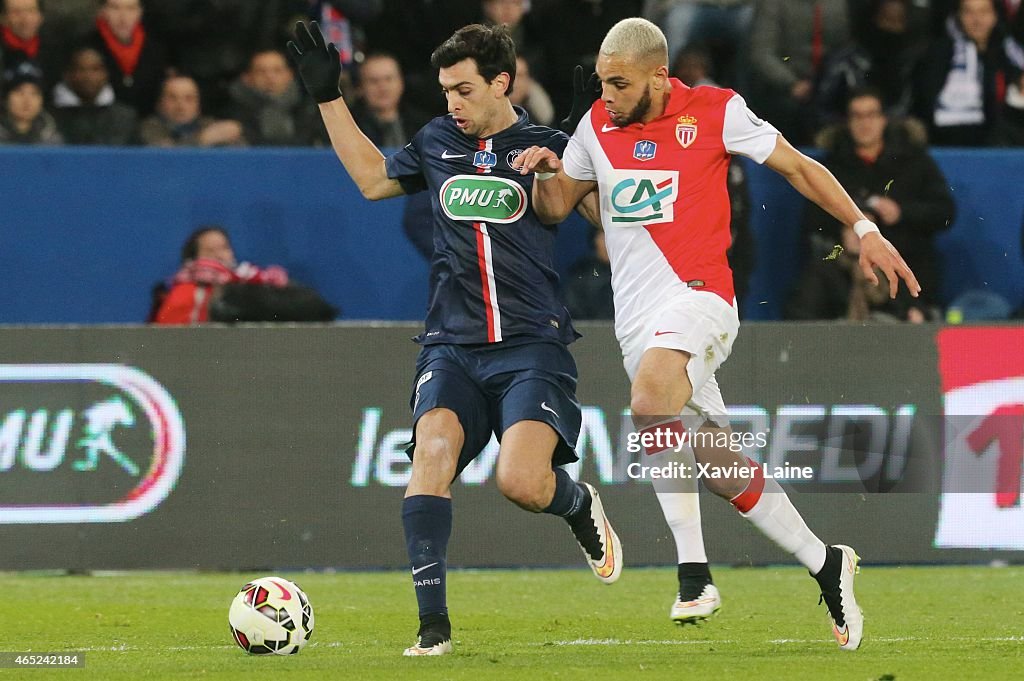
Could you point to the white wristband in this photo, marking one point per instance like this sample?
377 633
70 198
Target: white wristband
544 176
862 227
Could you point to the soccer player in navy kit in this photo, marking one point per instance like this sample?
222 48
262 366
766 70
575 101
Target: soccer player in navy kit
494 355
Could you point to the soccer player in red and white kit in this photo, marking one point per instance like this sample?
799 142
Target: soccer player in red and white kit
658 152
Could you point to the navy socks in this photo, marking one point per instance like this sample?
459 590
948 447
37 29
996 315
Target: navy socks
570 497
428 525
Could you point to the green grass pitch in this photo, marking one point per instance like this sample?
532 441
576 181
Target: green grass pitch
921 623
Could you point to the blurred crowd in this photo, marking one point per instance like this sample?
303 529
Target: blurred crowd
873 83
213 73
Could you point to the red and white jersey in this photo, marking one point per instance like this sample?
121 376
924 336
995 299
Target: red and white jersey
664 197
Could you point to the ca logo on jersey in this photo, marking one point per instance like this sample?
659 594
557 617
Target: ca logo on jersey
643 196
484 199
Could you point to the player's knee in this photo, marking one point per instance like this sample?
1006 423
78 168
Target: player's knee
435 457
647 402
526 492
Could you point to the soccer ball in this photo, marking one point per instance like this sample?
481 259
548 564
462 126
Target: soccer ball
271 616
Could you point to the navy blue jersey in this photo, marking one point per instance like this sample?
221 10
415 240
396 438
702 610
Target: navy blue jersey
492 275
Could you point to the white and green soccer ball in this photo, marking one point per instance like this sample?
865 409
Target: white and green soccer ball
271 616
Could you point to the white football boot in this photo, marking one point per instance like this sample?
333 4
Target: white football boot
700 608
598 540
836 582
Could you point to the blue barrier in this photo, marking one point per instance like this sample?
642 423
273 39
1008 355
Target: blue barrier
85 233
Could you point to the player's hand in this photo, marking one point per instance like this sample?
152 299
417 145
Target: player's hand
584 92
876 251
889 212
538 160
318 62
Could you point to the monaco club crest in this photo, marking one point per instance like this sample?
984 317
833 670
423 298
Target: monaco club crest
686 130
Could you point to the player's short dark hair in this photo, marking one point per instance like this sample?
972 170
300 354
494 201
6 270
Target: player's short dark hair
491 47
190 249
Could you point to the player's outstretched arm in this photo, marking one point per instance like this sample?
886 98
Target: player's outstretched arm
319 68
555 194
815 182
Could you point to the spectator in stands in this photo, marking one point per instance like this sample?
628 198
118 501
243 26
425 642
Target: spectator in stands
85 107
211 41
410 30
270 106
135 59
693 66
531 95
718 25
22 38
886 169
381 112
212 286
588 287
179 120
207 264
918 16
887 49
511 14
787 52
343 23
961 82
1014 130
23 119
569 32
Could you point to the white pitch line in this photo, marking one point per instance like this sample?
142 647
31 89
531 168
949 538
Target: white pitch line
126 648
778 641
591 642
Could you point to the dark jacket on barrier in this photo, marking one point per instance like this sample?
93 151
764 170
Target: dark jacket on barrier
905 173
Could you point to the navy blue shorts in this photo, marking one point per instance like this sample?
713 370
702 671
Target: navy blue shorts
490 387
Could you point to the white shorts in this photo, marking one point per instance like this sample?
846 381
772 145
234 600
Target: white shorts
701 324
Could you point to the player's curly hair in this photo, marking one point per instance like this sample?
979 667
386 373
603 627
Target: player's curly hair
491 47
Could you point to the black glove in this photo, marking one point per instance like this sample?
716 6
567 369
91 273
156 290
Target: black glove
318 63
583 95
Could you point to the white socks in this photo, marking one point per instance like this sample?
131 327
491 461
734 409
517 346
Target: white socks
679 499
767 505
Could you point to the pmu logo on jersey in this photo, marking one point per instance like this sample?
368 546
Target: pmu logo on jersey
643 196
85 443
644 150
484 199
686 130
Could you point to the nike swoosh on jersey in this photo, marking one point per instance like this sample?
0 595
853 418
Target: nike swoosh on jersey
608 128
545 407
446 155
662 333
416 571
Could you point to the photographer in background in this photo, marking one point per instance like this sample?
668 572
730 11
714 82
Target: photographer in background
212 287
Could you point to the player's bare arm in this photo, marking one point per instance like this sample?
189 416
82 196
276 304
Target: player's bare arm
320 68
815 182
554 196
590 208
